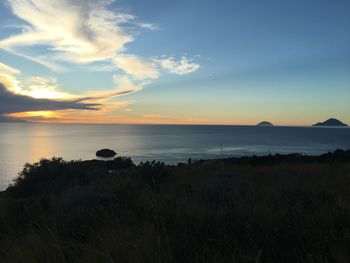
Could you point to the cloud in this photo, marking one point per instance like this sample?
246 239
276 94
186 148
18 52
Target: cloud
149 26
124 83
42 60
36 87
43 94
138 68
181 67
75 31
10 119
13 103
5 69
124 86
57 33
41 88
84 32
80 31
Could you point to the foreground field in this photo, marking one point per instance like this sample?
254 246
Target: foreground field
260 209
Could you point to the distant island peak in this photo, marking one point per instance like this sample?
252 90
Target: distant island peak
106 153
265 123
332 122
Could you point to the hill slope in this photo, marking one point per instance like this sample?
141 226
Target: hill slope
330 123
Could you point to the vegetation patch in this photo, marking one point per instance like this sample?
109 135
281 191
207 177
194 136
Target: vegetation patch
281 208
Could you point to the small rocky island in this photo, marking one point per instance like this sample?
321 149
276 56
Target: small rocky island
106 153
332 122
264 123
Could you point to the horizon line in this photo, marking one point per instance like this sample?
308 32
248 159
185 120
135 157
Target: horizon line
174 124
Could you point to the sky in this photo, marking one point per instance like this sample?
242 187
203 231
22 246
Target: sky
182 62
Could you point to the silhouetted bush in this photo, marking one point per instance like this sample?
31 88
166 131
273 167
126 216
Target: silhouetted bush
117 163
49 176
56 175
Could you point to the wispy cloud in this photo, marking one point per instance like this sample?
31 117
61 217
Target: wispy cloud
78 31
181 67
124 86
84 32
149 26
136 67
10 71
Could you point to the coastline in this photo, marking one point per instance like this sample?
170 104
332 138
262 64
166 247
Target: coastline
248 209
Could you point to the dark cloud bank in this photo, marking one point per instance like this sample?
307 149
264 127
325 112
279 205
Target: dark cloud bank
14 103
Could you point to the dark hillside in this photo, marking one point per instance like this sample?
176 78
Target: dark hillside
281 208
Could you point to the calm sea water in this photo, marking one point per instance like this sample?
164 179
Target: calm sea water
24 142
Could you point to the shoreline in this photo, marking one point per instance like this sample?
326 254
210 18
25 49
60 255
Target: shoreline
303 156
124 162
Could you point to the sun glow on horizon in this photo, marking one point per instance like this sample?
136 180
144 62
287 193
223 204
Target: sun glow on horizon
36 114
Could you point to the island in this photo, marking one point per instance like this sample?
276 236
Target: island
332 122
264 123
106 153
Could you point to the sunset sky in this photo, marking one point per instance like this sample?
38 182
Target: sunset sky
184 61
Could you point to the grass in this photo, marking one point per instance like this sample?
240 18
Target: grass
259 209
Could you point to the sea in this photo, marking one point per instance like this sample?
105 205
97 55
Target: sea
22 143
